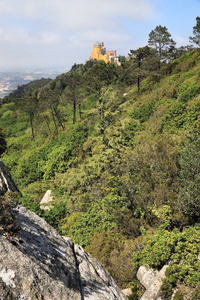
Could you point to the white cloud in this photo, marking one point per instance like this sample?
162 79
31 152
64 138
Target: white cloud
52 30
77 14
181 41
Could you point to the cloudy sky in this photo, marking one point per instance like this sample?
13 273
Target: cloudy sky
59 33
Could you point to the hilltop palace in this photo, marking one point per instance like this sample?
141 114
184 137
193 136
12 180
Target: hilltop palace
99 53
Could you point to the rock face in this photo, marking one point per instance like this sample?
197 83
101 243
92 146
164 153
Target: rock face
152 281
40 264
45 202
6 182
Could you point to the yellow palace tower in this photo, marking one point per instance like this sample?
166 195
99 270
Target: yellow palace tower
99 53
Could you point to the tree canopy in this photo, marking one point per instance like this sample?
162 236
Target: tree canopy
196 32
160 40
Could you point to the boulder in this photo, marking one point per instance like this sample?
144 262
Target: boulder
152 281
127 292
45 202
6 182
40 264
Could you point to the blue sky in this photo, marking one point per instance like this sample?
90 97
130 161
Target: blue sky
59 33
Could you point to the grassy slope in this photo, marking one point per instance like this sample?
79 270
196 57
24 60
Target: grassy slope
111 184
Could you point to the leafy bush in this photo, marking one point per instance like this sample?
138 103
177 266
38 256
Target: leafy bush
30 167
29 202
158 249
130 130
63 151
175 117
189 177
7 107
142 113
184 267
181 249
55 214
190 92
99 216
193 113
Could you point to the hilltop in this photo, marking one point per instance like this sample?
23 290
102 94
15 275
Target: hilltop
121 156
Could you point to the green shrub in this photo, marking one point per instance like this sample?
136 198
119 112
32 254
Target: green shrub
175 117
63 151
181 249
142 113
56 214
130 130
189 93
29 202
193 113
7 107
189 177
98 217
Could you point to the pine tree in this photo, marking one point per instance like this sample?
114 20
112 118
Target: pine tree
143 61
161 41
196 31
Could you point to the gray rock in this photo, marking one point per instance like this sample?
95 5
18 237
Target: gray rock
40 264
152 281
6 182
127 292
146 276
45 202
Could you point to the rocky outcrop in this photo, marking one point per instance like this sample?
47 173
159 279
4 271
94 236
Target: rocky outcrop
6 182
152 281
40 264
45 202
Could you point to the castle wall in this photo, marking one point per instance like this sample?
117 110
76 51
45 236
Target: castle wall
99 52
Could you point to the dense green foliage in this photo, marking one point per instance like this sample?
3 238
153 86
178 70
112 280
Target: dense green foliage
180 250
119 148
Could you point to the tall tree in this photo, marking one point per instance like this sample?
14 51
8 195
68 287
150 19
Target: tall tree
160 40
28 104
196 31
141 63
50 99
100 75
73 93
96 77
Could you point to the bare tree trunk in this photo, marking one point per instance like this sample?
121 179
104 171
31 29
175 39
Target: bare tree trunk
74 110
32 129
58 117
47 122
80 111
54 120
138 83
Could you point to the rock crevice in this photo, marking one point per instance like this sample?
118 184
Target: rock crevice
78 271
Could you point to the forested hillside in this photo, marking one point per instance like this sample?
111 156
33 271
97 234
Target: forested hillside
119 148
